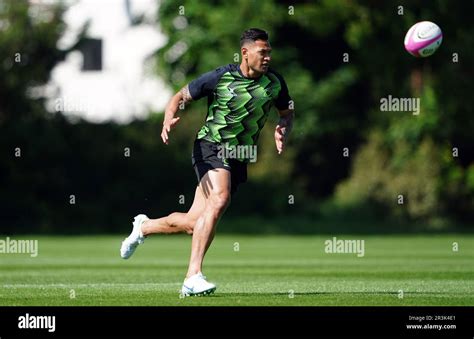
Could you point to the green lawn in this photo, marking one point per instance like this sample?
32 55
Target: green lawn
266 270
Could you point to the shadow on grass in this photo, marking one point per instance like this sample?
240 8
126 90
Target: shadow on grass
279 294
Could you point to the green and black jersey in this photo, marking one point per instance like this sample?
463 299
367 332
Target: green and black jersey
238 106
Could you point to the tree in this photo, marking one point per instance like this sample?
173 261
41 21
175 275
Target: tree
28 36
339 59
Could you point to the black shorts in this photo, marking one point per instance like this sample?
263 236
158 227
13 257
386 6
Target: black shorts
205 158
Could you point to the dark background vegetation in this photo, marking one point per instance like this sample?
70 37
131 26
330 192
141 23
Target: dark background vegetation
337 106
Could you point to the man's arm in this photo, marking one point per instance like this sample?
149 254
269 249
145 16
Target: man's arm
177 101
283 128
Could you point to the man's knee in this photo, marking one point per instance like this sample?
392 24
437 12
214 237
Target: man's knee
219 201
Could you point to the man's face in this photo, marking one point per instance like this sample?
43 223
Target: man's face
258 55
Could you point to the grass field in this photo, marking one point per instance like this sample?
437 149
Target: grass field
248 270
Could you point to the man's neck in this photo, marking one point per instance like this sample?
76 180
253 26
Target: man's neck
248 72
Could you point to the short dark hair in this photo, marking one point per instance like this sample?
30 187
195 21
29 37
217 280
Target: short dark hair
253 34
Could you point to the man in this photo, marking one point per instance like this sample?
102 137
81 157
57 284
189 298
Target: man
239 100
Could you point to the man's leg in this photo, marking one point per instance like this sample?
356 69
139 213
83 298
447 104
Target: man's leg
174 223
215 186
177 222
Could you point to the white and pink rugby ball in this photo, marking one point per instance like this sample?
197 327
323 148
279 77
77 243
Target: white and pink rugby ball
423 39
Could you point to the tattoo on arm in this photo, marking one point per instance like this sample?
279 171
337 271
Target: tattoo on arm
185 94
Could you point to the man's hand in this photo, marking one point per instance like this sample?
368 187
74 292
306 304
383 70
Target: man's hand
280 138
167 126
170 121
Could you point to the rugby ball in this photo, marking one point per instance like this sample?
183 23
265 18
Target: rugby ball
423 39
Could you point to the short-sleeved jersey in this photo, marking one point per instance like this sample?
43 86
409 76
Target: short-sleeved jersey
238 106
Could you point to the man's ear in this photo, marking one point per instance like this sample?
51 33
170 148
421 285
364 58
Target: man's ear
244 51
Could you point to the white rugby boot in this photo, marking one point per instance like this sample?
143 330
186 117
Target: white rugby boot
197 285
129 245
